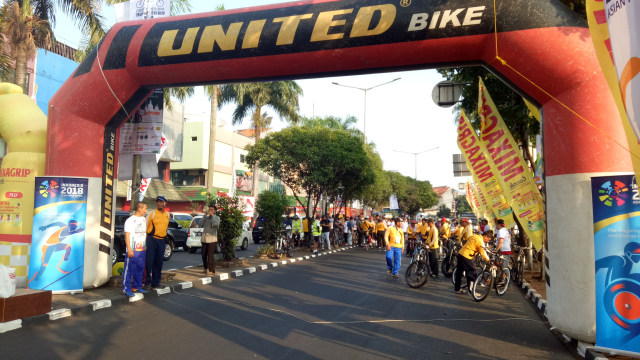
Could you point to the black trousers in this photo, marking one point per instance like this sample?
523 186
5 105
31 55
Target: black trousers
464 265
208 258
433 261
154 260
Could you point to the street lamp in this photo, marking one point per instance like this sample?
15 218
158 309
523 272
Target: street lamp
365 98
416 158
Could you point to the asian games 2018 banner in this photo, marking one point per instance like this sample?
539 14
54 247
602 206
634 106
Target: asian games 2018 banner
616 218
57 247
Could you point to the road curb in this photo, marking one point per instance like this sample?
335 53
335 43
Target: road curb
583 349
100 305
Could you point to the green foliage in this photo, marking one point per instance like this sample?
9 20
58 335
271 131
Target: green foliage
316 160
231 219
184 223
270 206
419 195
398 183
577 6
377 193
462 205
444 211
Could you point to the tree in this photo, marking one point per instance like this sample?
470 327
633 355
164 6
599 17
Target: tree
270 206
312 160
23 29
250 98
376 195
332 122
231 219
419 195
462 205
444 211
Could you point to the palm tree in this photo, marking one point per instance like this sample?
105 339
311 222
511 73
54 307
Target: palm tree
22 30
333 122
250 98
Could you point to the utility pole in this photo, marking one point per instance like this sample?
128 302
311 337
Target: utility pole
416 158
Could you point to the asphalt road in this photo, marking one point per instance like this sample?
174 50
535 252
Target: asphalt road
341 306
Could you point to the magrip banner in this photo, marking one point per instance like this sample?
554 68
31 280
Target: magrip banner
616 228
469 144
505 159
57 247
606 51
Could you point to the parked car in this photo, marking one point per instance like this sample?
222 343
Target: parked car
176 236
195 236
181 216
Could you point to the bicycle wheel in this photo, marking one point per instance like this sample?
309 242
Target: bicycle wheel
417 274
514 270
519 272
482 286
290 251
502 282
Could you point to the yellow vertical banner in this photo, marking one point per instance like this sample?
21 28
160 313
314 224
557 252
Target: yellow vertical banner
472 199
597 19
477 164
507 163
485 212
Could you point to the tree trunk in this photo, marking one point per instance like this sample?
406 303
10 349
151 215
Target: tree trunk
256 170
212 138
20 78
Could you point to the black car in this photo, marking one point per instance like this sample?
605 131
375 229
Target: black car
176 237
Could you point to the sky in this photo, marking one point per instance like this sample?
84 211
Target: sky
401 116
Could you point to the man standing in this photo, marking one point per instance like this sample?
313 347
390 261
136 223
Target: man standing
326 230
445 230
135 234
381 228
157 225
297 228
306 228
504 241
473 246
394 242
209 224
433 245
316 233
467 230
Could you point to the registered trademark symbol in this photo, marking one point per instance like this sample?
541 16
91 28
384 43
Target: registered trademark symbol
405 3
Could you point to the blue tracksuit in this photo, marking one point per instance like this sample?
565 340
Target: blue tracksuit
133 271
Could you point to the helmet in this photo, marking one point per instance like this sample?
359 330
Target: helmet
444 220
632 251
161 198
465 220
72 224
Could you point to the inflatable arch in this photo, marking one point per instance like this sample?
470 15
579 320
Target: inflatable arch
538 46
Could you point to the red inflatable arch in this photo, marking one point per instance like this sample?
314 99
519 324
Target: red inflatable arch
544 51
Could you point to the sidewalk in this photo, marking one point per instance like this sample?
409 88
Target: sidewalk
66 305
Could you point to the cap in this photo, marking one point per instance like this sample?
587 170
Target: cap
500 221
161 198
444 219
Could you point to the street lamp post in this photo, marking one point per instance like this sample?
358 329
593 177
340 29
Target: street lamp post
365 90
415 154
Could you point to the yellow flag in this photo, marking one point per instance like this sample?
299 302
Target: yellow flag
469 145
514 177
472 199
597 19
533 110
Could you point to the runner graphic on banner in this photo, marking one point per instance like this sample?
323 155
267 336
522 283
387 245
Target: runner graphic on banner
616 217
469 144
505 159
57 247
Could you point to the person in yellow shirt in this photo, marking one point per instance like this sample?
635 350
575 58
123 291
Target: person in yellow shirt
306 231
412 234
423 229
157 225
457 232
367 228
433 244
394 241
475 245
381 228
467 230
445 230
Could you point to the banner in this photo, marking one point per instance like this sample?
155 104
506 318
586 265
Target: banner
484 209
473 200
616 218
469 144
514 177
142 133
58 237
606 50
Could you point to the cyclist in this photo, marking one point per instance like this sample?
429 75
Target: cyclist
445 230
358 229
433 245
316 230
423 229
366 227
475 245
467 230
381 228
457 231
297 228
412 232
504 241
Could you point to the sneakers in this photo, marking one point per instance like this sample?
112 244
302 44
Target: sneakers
395 276
141 291
461 291
477 295
389 272
128 293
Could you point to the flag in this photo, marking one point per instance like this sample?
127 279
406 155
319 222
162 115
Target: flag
477 164
506 162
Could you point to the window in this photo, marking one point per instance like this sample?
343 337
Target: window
194 138
242 158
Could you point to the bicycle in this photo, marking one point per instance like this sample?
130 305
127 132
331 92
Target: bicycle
282 245
417 273
495 275
450 257
519 264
